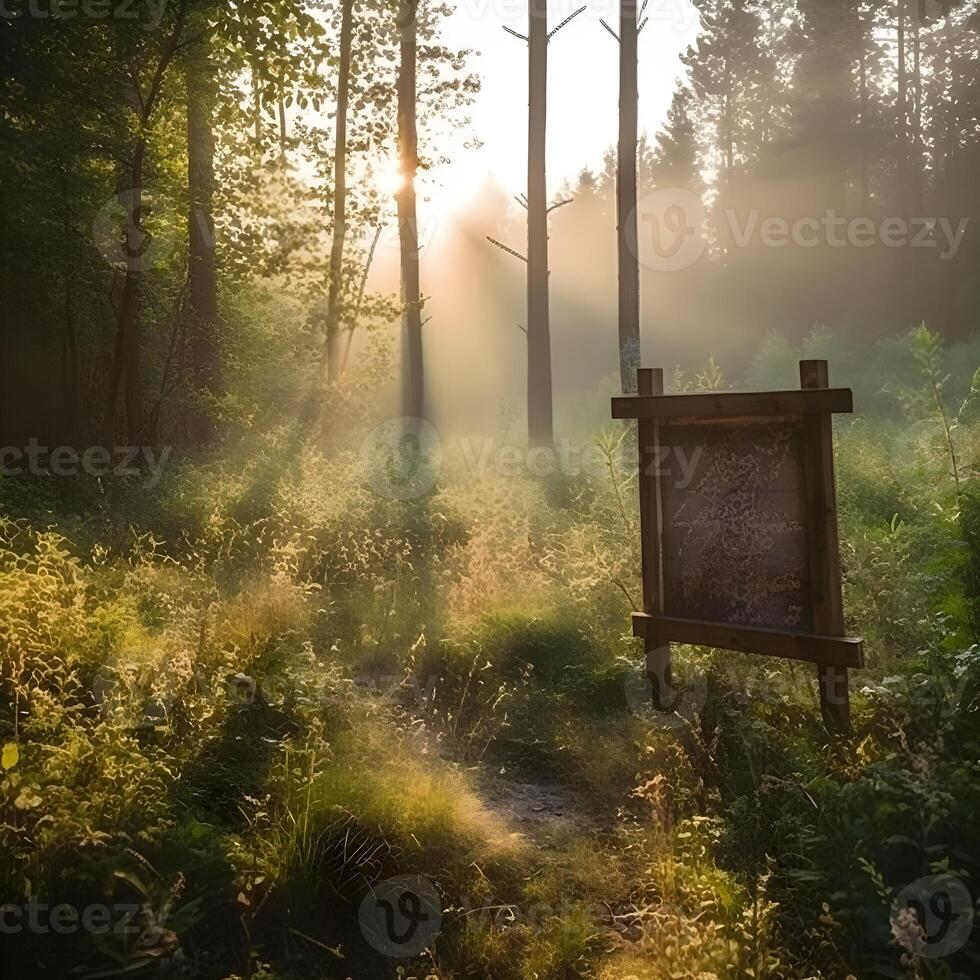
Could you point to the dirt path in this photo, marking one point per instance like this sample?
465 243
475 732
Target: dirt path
535 809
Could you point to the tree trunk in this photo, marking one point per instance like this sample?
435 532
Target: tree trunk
905 271
283 133
947 198
918 162
629 264
414 375
71 420
334 352
257 108
201 267
540 421
130 328
865 129
902 164
125 371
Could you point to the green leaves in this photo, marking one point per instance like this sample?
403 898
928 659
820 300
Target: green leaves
10 756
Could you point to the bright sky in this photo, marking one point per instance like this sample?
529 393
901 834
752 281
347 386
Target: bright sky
583 85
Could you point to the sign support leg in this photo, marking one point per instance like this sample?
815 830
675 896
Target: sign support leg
658 660
828 604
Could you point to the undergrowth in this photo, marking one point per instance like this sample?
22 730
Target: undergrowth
238 702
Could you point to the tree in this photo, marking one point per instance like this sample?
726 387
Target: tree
339 195
675 162
143 60
626 180
408 235
202 271
540 420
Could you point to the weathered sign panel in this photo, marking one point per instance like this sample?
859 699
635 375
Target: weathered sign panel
739 527
734 538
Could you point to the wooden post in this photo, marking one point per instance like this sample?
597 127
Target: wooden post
658 666
627 220
540 422
824 546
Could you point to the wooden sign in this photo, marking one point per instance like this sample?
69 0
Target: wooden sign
738 519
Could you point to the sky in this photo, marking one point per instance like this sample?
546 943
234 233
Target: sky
474 321
583 85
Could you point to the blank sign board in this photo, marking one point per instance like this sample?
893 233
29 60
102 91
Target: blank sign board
734 534
738 528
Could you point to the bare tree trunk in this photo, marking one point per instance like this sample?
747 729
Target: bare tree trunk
629 264
540 420
918 155
125 369
202 269
865 130
948 144
904 292
130 328
283 132
71 408
334 352
902 107
408 153
257 108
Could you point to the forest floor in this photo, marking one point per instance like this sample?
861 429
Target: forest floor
536 808
249 701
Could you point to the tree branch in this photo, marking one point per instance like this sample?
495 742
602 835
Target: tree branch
611 31
567 20
510 251
169 51
561 204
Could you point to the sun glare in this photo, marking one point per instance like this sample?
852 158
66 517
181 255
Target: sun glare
389 179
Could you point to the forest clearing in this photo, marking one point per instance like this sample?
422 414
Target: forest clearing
408 575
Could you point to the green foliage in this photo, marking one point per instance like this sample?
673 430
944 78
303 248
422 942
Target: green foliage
250 693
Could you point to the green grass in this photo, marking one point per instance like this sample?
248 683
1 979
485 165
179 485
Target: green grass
253 693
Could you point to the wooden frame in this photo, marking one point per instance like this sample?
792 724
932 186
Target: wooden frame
820 638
